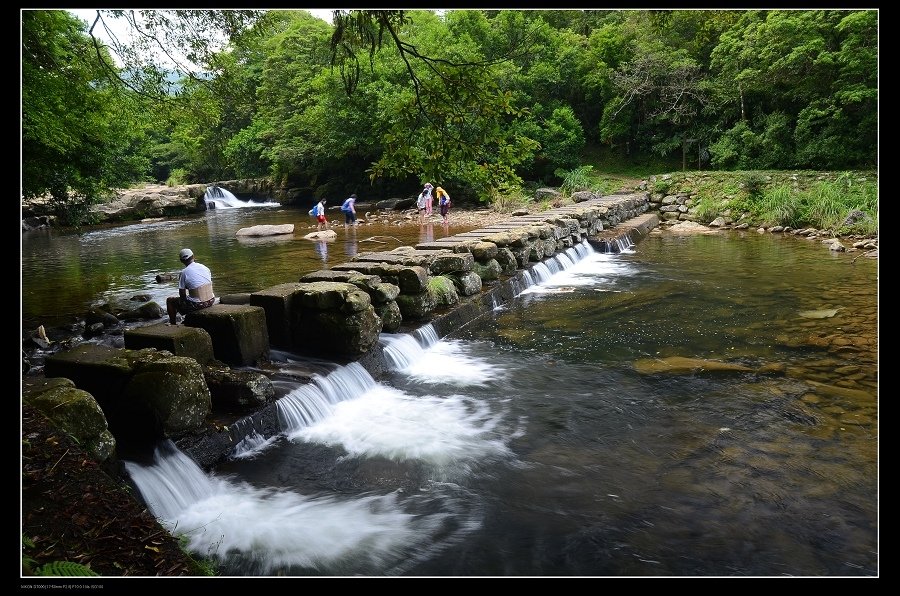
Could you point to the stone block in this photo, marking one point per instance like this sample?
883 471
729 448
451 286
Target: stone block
180 340
278 302
102 371
239 333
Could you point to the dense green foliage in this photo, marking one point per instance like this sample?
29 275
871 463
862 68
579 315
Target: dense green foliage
480 101
79 135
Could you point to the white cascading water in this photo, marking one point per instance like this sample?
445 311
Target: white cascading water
172 483
217 197
581 265
432 361
368 419
271 528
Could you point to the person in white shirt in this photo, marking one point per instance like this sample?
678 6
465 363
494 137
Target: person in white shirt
321 222
195 291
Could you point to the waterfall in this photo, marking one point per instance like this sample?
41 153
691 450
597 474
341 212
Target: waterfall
263 531
625 244
401 349
527 279
549 273
619 244
542 272
564 261
427 335
581 251
314 401
171 483
217 197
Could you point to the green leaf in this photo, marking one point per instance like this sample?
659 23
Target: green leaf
65 568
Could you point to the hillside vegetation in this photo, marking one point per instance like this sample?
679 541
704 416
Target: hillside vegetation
486 103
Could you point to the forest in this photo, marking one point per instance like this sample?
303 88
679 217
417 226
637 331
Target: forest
489 102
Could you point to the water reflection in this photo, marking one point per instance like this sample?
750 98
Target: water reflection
65 273
351 245
426 232
321 248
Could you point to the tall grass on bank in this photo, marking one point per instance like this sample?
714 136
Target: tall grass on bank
842 206
575 179
780 206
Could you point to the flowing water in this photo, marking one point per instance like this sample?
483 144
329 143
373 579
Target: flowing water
580 430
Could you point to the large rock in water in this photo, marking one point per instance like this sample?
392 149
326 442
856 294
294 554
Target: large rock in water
152 201
322 235
238 389
266 230
239 333
333 318
174 390
180 340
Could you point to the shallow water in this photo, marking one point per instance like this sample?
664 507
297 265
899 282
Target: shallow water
64 274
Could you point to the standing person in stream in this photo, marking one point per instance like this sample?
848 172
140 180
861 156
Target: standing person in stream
443 202
420 205
321 222
429 199
349 209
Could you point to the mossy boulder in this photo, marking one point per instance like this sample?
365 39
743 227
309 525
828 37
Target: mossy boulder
74 411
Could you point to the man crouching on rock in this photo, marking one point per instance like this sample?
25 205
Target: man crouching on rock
195 290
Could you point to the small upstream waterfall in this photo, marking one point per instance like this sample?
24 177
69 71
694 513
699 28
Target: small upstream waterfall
217 197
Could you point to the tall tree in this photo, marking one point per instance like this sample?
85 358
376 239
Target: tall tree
798 88
80 136
453 121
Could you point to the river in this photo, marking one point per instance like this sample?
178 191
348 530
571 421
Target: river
568 433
